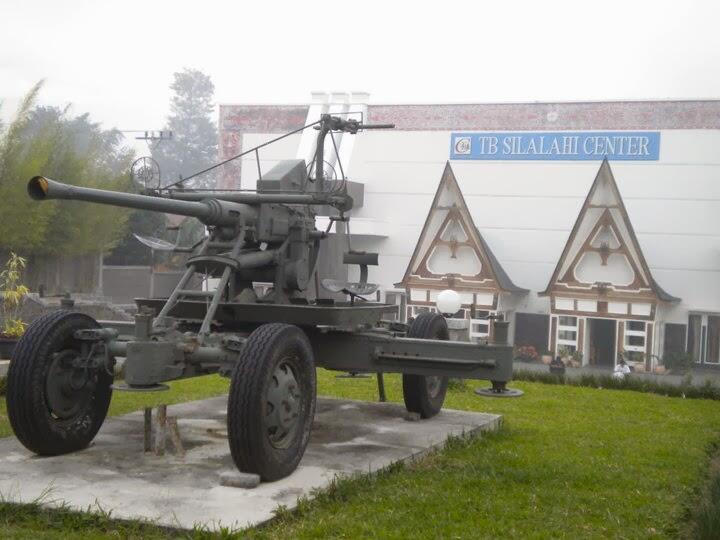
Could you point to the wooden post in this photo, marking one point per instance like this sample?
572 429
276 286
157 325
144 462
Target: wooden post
381 388
147 435
160 433
175 436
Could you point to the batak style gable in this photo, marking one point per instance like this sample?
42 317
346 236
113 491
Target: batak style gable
602 270
451 254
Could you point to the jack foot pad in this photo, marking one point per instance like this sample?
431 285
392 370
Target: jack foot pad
353 375
499 392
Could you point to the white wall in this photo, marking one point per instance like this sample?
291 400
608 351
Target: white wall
525 210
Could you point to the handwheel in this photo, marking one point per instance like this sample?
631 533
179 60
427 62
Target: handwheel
57 399
425 394
272 401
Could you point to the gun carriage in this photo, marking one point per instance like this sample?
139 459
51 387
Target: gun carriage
61 375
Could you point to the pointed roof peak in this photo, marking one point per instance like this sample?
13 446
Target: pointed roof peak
604 212
449 214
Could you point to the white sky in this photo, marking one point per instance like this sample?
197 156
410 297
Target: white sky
115 59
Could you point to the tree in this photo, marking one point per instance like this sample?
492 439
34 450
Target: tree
192 148
195 138
48 141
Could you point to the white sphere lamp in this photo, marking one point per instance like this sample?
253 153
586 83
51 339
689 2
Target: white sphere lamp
448 302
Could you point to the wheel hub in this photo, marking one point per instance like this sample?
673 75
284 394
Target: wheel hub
283 400
68 386
433 385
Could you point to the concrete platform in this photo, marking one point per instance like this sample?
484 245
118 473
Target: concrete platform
115 475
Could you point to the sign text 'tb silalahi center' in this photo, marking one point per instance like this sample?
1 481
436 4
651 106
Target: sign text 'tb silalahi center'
557 146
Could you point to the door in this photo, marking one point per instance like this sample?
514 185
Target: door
601 342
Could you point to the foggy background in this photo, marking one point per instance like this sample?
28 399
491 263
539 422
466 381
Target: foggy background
115 60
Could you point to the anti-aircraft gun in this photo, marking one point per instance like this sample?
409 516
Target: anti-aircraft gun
61 375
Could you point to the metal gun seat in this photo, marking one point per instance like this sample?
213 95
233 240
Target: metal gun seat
355 288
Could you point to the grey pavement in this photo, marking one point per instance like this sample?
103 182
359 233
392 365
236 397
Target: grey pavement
114 474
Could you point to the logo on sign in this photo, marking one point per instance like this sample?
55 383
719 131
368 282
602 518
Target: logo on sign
463 145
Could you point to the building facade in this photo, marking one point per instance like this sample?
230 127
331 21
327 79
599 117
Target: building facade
575 251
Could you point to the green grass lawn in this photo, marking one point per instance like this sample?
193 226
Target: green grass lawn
569 462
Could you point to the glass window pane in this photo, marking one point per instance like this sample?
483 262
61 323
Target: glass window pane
567 321
567 335
713 345
637 326
694 336
635 341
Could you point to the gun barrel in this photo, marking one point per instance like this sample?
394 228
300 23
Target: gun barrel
210 211
342 200
377 126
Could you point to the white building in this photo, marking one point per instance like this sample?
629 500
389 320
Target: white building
633 266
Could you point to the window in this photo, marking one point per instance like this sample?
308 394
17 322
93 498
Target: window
479 329
636 326
694 344
478 313
567 335
713 340
635 336
704 338
480 326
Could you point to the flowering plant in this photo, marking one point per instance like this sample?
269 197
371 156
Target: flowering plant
526 352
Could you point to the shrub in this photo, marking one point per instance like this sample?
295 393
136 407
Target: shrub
708 390
678 362
13 292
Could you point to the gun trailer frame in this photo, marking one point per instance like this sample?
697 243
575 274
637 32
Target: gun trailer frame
61 375
343 338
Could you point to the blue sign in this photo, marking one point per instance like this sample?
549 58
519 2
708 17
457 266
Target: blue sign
557 145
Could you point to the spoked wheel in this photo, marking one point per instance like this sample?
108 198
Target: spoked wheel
56 399
272 401
424 394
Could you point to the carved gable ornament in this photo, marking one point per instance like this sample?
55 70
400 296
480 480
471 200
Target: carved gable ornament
602 259
450 252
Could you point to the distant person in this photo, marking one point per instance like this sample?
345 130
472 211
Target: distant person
622 370
557 366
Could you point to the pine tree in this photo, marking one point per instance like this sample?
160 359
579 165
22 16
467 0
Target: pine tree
195 138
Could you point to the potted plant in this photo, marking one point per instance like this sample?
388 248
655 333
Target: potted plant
577 357
13 292
565 355
526 353
546 357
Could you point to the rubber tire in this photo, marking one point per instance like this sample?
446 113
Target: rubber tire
417 398
250 448
30 417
